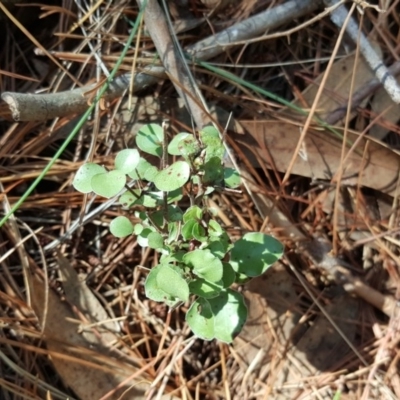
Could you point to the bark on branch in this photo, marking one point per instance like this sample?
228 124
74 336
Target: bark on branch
41 107
338 16
174 65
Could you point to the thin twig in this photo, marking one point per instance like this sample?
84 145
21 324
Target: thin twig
174 65
41 107
252 27
88 216
366 90
338 16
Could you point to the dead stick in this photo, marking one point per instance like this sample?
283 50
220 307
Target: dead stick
366 90
338 16
319 252
175 68
252 27
41 107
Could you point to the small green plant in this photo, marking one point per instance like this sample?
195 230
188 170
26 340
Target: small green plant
198 262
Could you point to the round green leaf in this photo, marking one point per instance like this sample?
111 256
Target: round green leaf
255 253
138 229
153 291
209 132
194 213
173 145
209 190
231 178
219 249
142 238
174 256
83 178
220 245
137 196
140 170
214 228
173 232
155 240
174 213
213 171
213 143
147 200
128 198
187 229
127 160
158 196
204 264
150 139
108 184
229 275
203 288
174 195
230 314
121 227
172 283
196 180
189 147
199 233
173 177
157 218
200 319
150 173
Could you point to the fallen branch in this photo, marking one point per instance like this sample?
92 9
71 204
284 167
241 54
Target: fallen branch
252 27
41 107
366 90
338 16
173 63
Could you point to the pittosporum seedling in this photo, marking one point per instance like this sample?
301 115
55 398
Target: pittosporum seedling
198 261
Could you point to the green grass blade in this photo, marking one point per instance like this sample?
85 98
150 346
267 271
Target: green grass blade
79 124
229 76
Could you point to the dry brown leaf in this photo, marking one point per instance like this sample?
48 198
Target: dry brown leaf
378 168
383 105
82 355
82 364
279 139
273 343
322 346
78 294
337 90
272 302
338 85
